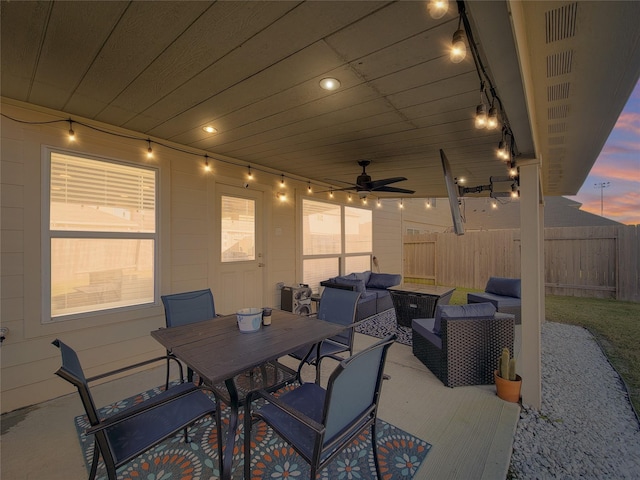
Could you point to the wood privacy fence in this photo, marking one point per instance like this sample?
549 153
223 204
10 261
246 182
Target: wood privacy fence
602 262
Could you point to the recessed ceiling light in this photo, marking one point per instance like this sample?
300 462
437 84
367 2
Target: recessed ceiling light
209 129
330 83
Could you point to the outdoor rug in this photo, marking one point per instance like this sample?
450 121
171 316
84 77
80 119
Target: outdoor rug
384 324
400 453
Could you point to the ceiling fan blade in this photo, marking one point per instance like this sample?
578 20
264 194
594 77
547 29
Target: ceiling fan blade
394 190
333 180
373 185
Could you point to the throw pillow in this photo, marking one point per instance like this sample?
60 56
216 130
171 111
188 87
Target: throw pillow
358 284
383 280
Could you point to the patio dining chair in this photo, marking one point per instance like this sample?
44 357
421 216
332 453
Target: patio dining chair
336 306
185 308
197 306
319 424
126 435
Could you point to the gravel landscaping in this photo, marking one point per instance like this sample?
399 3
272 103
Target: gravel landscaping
586 427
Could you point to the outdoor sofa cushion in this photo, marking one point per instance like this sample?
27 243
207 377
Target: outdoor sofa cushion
475 310
508 287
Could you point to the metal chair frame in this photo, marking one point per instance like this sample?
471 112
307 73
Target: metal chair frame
332 418
186 398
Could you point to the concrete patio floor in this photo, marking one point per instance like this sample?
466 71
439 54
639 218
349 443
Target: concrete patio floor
470 429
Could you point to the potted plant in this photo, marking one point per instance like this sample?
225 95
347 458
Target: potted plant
508 383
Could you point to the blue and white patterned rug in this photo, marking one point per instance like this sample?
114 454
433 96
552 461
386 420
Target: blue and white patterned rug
384 324
400 453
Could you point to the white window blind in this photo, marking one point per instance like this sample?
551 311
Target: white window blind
331 235
102 235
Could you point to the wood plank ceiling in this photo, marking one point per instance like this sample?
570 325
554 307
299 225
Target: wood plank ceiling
252 70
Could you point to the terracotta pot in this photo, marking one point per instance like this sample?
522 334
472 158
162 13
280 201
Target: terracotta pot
508 390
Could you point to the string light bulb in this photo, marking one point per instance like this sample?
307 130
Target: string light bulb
331 192
379 203
401 203
494 204
282 180
492 118
309 187
349 198
207 167
72 134
458 48
503 149
438 8
481 116
428 203
149 150
249 174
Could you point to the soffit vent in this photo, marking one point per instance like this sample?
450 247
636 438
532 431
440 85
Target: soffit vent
557 112
561 22
559 63
557 152
555 128
557 92
556 140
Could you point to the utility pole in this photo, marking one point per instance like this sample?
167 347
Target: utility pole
601 186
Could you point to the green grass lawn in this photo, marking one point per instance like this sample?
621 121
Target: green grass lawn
616 326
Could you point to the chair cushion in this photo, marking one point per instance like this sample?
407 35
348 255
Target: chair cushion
368 295
383 280
509 287
424 327
499 301
475 310
308 398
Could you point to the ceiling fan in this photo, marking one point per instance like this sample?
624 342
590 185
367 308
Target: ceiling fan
364 185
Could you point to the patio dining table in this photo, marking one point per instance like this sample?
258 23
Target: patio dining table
217 351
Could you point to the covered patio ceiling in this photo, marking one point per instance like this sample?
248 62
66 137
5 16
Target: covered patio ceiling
563 71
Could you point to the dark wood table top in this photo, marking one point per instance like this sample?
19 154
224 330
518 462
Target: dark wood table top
216 349
434 290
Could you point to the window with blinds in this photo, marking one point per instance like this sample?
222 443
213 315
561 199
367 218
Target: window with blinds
102 235
335 240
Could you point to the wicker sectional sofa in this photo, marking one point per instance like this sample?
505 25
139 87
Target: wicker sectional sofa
374 296
461 345
504 293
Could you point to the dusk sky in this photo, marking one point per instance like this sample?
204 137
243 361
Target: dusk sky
618 164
